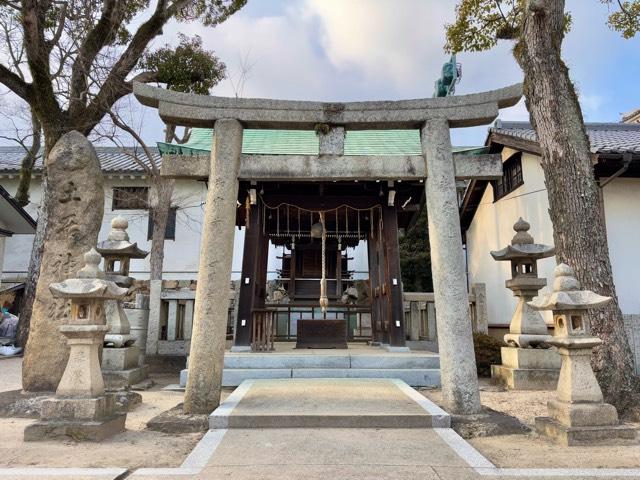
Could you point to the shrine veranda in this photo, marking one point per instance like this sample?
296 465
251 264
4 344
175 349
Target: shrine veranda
283 198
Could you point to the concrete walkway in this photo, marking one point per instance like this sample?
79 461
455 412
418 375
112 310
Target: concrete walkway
372 429
343 429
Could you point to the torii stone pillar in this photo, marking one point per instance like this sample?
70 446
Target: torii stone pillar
441 168
455 341
209 333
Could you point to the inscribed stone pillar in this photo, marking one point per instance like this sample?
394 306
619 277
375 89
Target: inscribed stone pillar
208 339
75 205
457 360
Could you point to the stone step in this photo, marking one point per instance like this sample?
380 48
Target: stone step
416 377
280 361
327 403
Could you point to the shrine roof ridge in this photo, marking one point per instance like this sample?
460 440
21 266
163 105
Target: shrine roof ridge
203 110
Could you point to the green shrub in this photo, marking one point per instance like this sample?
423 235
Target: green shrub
487 350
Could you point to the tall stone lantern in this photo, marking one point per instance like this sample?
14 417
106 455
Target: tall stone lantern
527 362
120 357
81 409
578 414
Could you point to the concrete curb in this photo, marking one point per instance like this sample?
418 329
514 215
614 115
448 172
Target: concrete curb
219 418
439 418
45 472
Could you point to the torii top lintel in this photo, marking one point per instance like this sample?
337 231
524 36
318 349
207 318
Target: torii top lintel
203 110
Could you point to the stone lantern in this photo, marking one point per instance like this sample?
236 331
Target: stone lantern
81 409
120 358
527 363
578 414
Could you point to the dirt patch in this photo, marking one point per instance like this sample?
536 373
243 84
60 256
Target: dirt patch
135 448
533 451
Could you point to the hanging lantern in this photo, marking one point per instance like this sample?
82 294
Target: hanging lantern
316 230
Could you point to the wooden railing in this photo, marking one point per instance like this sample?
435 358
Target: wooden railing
286 316
262 330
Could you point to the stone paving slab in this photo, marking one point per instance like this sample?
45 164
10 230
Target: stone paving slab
327 403
334 446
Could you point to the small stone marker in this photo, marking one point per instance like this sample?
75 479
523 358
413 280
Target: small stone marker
120 358
578 415
527 362
81 409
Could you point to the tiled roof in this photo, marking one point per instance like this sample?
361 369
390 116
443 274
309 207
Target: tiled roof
305 142
112 159
264 142
604 137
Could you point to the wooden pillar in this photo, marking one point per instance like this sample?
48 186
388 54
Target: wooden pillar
292 275
248 280
339 273
374 286
393 277
262 265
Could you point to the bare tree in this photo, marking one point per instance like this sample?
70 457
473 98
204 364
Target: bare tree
72 60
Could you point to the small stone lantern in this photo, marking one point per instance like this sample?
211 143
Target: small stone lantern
527 327
526 362
118 251
121 360
81 409
578 414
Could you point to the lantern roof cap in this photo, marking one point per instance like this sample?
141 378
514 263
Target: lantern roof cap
89 282
117 242
567 295
523 245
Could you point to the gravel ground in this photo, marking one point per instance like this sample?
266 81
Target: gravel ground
136 447
528 449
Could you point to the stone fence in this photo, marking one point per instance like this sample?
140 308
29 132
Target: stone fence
420 313
171 307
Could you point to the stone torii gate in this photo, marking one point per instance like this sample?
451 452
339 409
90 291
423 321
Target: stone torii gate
227 165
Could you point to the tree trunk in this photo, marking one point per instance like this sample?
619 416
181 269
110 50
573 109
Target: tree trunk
161 192
574 205
28 162
33 273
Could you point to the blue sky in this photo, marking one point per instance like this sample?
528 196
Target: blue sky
392 49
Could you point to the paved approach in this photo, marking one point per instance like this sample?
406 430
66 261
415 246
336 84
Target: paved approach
325 429
338 429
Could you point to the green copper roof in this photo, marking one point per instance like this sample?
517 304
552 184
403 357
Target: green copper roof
305 142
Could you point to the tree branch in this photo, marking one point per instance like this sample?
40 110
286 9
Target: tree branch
123 126
14 83
113 12
115 86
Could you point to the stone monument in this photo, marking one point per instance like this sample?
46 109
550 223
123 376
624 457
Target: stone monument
578 414
81 409
120 357
527 361
75 203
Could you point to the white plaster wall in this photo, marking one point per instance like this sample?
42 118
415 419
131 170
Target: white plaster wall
622 215
492 229
181 255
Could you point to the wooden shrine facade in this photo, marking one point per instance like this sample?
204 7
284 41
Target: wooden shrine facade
286 213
